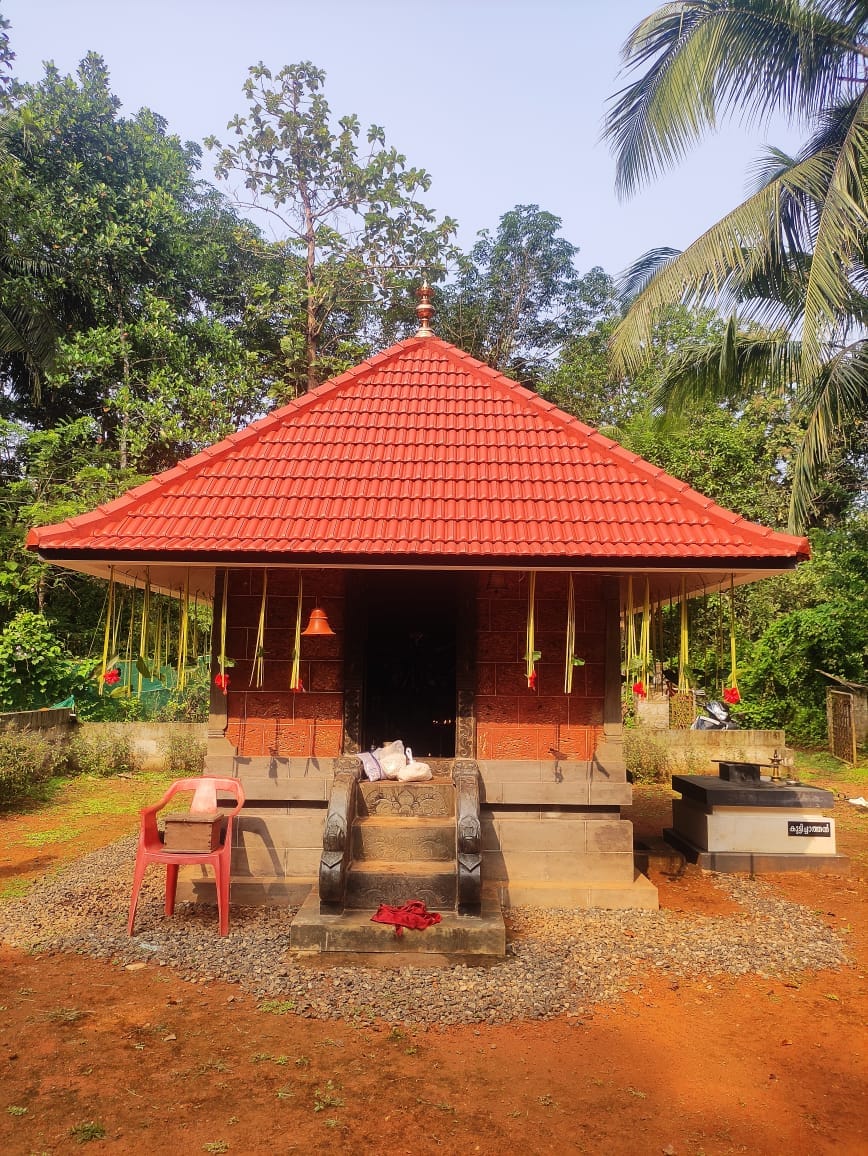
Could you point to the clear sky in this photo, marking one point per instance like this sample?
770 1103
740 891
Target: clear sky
501 101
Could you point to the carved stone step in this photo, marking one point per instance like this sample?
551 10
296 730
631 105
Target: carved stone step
373 881
432 800
353 938
399 839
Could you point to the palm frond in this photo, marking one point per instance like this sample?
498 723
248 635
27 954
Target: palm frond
836 401
755 238
707 58
636 277
768 167
30 338
773 295
710 271
729 367
841 231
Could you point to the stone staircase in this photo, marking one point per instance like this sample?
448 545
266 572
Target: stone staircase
397 842
403 846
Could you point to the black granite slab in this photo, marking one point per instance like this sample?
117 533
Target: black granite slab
711 791
738 772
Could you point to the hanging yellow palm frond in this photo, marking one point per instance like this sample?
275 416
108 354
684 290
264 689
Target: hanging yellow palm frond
109 623
142 668
531 654
257 672
644 656
629 631
571 660
731 693
684 646
295 682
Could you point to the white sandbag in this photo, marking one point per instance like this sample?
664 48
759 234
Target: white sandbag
414 773
391 758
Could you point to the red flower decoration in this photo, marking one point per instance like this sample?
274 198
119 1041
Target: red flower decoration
531 680
112 677
731 695
221 681
639 689
299 687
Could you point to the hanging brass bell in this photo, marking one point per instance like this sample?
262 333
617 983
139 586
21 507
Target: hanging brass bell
318 623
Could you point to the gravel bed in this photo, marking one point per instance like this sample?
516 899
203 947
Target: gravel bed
558 962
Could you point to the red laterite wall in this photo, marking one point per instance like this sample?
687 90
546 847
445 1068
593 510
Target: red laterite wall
514 721
273 720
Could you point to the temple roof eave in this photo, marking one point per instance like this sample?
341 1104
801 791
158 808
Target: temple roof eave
169 573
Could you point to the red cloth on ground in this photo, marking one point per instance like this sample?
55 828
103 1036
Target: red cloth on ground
413 914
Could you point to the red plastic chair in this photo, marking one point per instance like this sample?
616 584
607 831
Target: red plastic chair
152 850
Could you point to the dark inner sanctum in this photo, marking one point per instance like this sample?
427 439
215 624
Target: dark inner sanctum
409 662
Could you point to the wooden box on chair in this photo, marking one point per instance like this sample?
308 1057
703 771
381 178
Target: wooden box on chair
193 832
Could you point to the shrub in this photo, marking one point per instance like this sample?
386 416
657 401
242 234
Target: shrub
163 705
102 752
188 705
184 753
647 756
782 679
35 669
27 761
93 707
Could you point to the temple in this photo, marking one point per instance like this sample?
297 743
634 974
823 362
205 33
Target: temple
470 545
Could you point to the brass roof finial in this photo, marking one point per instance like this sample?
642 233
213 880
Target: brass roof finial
424 310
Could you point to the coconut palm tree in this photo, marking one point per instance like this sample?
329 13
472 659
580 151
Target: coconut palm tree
790 264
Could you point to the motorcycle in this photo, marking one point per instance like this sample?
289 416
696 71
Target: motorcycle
714 716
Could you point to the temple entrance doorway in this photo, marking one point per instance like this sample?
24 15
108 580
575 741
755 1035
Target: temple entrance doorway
409 662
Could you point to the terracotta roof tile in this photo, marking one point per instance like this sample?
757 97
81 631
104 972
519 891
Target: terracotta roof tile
419 451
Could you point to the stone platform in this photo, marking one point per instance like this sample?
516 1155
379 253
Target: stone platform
551 832
759 826
353 933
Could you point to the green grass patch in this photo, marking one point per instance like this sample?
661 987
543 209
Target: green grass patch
15 889
276 1007
327 1097
55 835
824 765
86 1131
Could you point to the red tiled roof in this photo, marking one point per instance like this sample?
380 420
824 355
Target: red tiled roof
424 454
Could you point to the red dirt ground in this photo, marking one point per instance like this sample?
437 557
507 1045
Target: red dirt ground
707 1066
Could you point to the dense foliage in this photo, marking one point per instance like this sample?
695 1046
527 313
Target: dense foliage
144 315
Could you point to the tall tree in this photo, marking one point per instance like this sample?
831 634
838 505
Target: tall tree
348 203
141 268
518 298
27 334
584 383
792 257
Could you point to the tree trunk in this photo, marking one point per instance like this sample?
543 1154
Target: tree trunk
310 333
124 431
310 328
